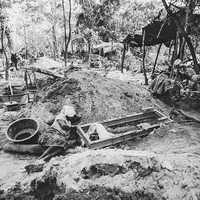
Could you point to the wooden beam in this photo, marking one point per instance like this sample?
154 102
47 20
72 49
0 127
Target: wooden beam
46 72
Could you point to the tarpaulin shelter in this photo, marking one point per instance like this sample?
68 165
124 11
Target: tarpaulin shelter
160 32
153 34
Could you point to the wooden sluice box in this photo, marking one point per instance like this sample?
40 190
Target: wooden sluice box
135 124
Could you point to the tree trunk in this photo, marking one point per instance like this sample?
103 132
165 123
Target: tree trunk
182 46
4 51
187 39
143 57
25 39
65 34
90 51
53 24
69 24
175 52
54 42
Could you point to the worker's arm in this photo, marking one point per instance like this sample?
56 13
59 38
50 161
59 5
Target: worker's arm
63 124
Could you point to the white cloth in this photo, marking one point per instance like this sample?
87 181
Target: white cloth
68 111
57 126
100 129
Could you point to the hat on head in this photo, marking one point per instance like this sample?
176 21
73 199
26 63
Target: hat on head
68 111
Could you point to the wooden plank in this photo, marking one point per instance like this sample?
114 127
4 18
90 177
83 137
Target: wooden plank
128 119
121 138
83 136
134 118
125 136
46 72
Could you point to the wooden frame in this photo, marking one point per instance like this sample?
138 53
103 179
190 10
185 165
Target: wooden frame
136 118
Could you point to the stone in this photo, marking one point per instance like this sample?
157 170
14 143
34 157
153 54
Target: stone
167 165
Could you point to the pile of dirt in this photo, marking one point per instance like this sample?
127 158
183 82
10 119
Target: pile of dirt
96 97
115 174
169 170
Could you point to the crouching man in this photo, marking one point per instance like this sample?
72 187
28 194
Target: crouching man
61 135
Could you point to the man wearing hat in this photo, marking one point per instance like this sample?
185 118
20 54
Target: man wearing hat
61 135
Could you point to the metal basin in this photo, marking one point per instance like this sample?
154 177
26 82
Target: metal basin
24 131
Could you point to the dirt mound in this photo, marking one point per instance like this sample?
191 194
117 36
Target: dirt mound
96 97
116 174
170 172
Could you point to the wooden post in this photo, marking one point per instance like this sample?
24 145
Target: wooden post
156 58
123 56
35 80
175 52
174 55
9 80
143 59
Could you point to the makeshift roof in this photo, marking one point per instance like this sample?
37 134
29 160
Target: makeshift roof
155 33
161 31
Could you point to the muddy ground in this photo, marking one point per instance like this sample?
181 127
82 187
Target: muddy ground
162 165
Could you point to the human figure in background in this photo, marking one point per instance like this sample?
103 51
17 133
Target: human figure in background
14 60
99 64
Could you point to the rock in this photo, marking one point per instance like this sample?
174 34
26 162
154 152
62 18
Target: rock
173 130
184 184
110 196
167 165
160 185
34 168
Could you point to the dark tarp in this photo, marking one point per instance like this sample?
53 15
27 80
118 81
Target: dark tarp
159 32
162 32
155 33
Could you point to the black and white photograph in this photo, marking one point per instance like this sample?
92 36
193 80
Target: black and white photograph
99 100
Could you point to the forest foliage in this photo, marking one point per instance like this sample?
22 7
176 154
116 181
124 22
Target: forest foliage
37 25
